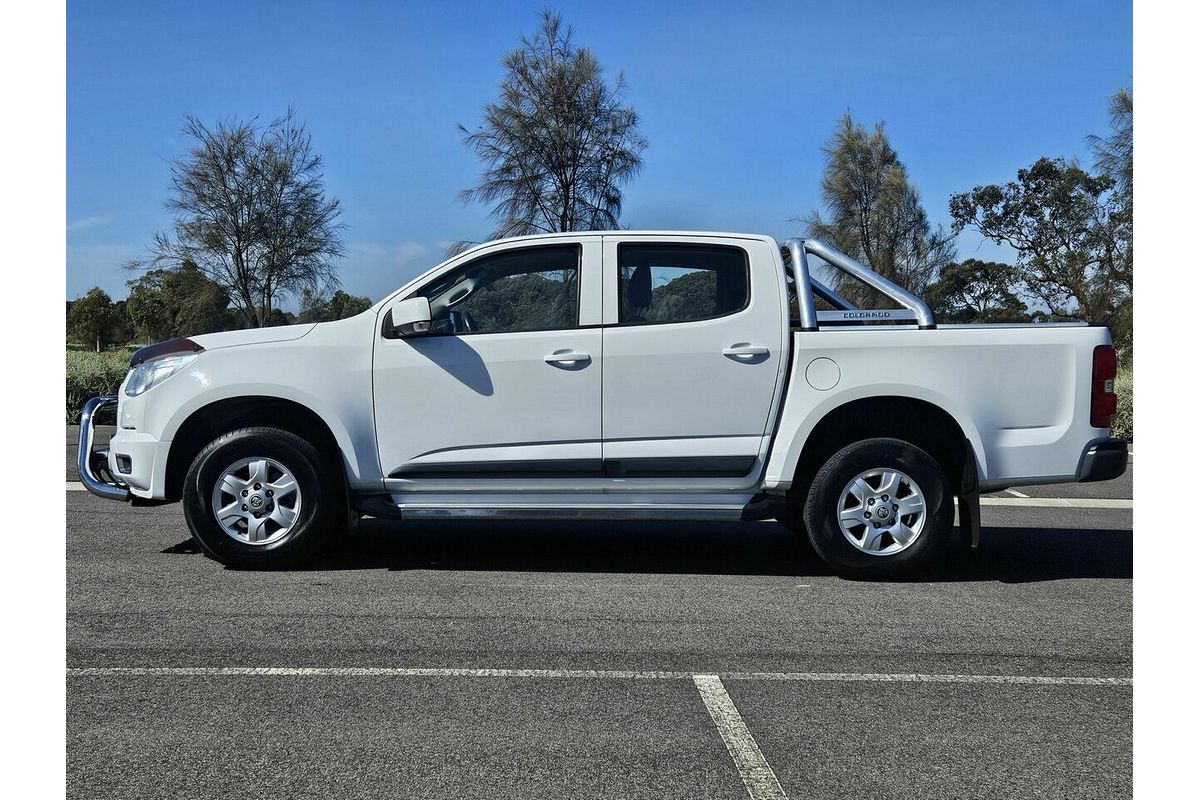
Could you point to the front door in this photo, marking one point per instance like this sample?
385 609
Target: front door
693 353
507 382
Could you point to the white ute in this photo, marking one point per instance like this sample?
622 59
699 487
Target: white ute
621 375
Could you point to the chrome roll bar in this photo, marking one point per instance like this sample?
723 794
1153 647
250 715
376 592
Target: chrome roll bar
797 251
87 434
804 289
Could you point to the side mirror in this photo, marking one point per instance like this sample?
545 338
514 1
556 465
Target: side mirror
410 317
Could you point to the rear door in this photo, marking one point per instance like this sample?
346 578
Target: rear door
694 351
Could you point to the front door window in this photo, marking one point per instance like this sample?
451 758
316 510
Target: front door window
535 289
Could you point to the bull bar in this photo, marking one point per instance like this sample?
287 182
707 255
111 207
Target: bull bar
90 461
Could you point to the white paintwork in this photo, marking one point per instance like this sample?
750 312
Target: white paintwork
279 333
326 368
822 374
410 312
486 398
670 390
492 397
1019 393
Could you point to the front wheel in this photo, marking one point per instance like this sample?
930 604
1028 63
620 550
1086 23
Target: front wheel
261 497
879 508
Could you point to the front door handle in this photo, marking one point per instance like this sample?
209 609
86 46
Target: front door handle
568 358
744 351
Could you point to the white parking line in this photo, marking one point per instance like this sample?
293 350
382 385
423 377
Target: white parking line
401 672
445 672
756 773
75 486
1056 502
905 677
1015 493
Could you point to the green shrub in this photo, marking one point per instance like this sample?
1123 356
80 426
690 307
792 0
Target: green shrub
1122 421
90 374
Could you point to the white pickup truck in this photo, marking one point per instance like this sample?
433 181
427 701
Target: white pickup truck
622 375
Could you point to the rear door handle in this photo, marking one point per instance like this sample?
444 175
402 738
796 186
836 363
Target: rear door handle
568 358
744 351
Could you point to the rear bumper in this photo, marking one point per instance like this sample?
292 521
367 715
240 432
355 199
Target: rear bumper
1103 461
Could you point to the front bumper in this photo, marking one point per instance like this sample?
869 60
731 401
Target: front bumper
134 465
1103 461
93 465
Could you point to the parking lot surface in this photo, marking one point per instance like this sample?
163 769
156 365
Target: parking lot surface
483 659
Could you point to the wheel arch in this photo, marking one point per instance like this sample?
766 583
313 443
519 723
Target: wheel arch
209 421
921 422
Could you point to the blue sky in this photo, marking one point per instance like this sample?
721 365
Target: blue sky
735 100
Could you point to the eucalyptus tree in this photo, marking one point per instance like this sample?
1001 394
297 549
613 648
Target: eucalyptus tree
176 302
92 319
1114 152
559 144
1072 237
977 291
1114 158
873 213
318 308
250 213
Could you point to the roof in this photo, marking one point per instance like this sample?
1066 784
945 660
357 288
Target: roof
544 237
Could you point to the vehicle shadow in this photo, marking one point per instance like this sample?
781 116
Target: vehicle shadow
458 359
1005 554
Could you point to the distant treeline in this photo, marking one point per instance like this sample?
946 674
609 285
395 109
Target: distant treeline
165 303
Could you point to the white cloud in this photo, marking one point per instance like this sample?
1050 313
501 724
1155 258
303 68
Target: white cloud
366 251
83 223
408 252
372 256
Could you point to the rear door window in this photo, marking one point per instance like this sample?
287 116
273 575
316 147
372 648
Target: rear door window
663 283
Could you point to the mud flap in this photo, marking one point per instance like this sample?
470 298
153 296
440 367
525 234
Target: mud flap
764 506
378 505
968 499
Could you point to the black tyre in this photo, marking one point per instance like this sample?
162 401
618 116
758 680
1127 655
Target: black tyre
879 508
263 497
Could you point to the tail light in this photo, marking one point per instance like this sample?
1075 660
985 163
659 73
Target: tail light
1104 394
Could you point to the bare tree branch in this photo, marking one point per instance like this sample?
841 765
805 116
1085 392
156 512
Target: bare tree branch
251 214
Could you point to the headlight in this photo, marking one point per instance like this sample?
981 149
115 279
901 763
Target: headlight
149 373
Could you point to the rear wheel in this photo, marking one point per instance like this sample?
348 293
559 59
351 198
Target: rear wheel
879 508
262 497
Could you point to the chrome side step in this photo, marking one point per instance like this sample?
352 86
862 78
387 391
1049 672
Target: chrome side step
728 508
610 512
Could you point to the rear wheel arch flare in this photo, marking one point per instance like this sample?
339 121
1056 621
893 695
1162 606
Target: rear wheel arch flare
919 422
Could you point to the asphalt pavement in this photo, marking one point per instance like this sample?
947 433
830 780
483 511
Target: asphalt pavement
492 660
